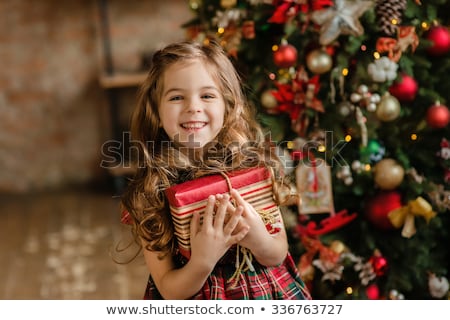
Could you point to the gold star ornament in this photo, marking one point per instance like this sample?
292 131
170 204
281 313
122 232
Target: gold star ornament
342 18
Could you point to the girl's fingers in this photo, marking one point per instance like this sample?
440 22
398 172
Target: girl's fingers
238 236
237 197
195 223
221 211
233 221
209 211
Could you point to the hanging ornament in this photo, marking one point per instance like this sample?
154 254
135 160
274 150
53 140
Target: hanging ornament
361 121
357 166
378 207
404 90
345 108
438 286
285 56
389 14
407 37
314 185
388 109
338 246
228 3
388 174
373 152
319 61
373 292
364 269
438 116
345 174
364 98
269 102
440 38
383 70
379 263
195 4
444 153
440 197
395 295
342 18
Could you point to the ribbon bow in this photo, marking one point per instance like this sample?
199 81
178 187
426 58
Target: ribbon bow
404 216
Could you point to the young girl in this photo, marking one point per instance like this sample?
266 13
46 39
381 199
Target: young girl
192 120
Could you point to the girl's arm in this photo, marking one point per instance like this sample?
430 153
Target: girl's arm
210 239
268 249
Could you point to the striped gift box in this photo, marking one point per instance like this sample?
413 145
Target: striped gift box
254 185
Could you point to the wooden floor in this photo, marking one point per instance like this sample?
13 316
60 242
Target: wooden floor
57 246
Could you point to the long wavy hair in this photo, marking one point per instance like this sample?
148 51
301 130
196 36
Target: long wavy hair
239 144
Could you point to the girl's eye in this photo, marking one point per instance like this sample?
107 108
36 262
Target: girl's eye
176 98
207 96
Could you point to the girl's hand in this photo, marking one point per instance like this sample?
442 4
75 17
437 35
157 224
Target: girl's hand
217 232
258 232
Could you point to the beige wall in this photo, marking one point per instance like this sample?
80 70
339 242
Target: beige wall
54 116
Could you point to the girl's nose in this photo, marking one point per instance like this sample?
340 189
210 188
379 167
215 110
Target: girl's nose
193 105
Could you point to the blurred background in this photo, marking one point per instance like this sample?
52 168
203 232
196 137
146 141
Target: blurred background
354 94
59 105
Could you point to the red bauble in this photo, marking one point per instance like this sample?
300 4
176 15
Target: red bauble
440 37
285 56
372 292
378 207
379 264
405 90
438 116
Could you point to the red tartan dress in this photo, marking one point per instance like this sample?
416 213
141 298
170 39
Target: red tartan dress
282 282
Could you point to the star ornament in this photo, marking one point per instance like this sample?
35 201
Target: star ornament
342 18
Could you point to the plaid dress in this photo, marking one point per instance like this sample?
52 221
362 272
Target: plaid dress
264 283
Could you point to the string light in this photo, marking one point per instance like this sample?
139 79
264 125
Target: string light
345 72
275 48
413 136
349 290
220 30
348 138
367 167
363 47
376 55
321 148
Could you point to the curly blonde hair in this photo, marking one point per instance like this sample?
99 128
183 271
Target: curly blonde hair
240 143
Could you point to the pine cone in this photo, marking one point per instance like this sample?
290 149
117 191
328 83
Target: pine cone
388 10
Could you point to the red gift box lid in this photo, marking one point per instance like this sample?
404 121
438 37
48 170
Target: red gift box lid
200 189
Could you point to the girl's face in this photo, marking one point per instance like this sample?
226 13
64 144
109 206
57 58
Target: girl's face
192 108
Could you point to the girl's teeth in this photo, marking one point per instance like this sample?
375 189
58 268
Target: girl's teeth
197 125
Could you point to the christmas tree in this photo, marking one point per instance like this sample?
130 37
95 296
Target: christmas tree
354 94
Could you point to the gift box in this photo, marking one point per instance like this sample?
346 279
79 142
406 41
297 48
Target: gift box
254 185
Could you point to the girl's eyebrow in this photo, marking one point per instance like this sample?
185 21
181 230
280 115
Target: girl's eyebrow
179 89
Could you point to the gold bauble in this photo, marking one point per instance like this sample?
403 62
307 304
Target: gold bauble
268 101
338 246
228 3
319 61
388 109
388 174
195 4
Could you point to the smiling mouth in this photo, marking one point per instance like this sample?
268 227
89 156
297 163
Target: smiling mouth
193 125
